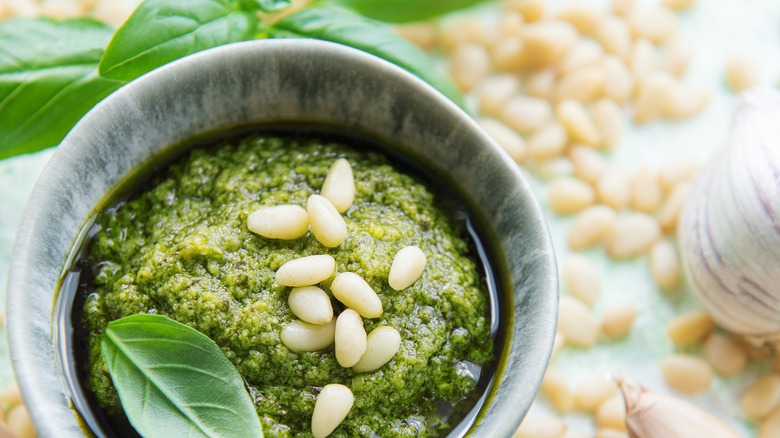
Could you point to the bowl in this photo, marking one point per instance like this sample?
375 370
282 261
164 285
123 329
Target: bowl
262 82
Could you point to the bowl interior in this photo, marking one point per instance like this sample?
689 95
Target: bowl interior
268 82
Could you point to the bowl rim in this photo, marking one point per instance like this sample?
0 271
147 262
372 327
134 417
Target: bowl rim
30 316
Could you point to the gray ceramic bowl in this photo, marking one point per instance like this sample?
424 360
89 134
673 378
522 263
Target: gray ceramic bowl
266 82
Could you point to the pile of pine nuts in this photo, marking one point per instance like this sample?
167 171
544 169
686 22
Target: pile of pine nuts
552 87
316 329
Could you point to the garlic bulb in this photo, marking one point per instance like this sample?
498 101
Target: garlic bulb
730 229
651 415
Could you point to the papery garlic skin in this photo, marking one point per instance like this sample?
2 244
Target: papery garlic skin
730 229
652 415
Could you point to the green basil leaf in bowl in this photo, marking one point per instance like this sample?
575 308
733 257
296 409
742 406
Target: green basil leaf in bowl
174 381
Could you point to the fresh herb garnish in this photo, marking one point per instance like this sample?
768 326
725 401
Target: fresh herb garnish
174 381
52 73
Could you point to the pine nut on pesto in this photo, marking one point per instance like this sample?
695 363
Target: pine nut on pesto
179 246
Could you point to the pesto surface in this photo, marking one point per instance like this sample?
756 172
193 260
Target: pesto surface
180 248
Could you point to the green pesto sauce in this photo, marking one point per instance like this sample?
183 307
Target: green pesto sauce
180 247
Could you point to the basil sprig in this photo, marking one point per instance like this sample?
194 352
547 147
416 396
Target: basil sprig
53 72
338 25
174 381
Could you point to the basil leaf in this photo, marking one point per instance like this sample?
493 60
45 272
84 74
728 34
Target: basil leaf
344 27
267 5
48 79
174 381
404 11
161 31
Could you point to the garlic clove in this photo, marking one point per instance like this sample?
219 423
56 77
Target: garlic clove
729 232
651 415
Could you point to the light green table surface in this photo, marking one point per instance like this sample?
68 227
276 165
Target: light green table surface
718 28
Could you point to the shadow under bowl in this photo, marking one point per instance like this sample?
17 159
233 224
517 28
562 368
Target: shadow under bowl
262 83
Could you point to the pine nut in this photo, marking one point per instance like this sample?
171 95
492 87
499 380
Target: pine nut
618 318
11 395
635 234
611 433
299 336
326 223
609 121
724 354
306 271
593 390
611 414
350 339
686 374
511 23
19 422
582 278
645 191
548 142
614 188
339 185
286 222
311 304
423 35
689 328
642 59
382 344
653 96
541 84
494 92
577 323
669 214
770 427
657 24
685 101
508 139
459 32
679 5
548 170
570 195
556 389
618 81
575 118
679 52
508 54
665 265
470 64
545 42
331 408
583 53
408 265
541 427
588 163
741 72
762 397
622 7
676 172
355 293
526 114
591 227
583 17
615 36
584 84
531 10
